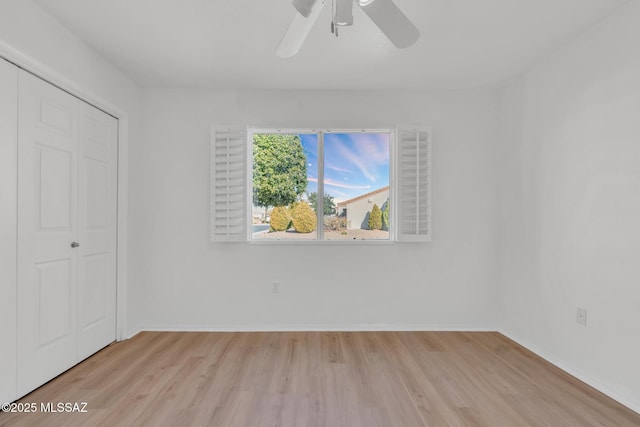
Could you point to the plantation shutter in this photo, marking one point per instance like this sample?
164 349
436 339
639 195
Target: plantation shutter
414 185
229 185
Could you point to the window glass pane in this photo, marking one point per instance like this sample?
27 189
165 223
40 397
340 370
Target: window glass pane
284 167
356 186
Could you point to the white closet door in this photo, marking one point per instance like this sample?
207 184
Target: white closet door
97 230
47 218
67 202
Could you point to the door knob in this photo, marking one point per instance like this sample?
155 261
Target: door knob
75 244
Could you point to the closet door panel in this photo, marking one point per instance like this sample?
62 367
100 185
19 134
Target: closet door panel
47 217
97 229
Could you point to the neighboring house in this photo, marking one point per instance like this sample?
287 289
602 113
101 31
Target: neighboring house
357 209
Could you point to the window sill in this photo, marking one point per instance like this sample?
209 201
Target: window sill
322 242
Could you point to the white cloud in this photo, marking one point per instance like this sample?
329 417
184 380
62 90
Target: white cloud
339 184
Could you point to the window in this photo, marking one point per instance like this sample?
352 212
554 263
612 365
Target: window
320 185
304 185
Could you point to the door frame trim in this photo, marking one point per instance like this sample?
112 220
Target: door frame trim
47 74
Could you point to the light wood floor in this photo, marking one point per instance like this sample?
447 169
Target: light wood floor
322 379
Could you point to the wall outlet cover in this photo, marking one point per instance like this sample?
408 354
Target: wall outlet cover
581 316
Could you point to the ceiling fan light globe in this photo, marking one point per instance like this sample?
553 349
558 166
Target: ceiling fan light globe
365 2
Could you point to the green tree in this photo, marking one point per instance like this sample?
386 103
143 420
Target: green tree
279 169
385 215
328 205
375 218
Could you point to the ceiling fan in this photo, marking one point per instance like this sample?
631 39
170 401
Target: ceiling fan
384 13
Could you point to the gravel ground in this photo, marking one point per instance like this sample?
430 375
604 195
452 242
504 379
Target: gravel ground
328 235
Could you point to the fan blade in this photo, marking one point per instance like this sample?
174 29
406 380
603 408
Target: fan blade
391 21
298 31
304 6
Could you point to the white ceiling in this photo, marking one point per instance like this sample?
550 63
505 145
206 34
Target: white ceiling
230 44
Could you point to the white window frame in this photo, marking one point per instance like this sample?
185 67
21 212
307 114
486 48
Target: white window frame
320 200
405 142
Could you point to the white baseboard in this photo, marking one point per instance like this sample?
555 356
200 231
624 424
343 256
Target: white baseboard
366 327
132 332
627 401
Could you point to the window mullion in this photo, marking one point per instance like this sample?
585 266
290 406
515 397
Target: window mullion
320 194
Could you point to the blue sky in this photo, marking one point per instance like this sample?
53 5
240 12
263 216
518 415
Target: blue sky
354 163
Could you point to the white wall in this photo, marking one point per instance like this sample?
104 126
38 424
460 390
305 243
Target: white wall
33 39
570 206
191 283
8 232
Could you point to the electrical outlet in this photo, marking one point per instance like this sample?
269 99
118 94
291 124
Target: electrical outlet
581 316
275 287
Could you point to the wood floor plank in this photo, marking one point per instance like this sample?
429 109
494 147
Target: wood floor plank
322 379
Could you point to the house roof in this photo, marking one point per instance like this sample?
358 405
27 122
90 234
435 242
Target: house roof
364 196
